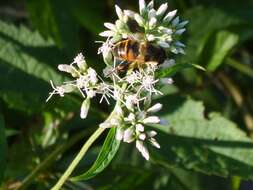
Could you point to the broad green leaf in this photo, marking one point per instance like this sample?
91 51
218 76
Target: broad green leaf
213 146
107 153
223 44
204 24
53 18
2 149
24 67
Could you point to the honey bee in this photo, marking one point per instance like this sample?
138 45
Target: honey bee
137 54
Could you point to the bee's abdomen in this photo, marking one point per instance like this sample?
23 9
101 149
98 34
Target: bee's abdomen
154 53
127 50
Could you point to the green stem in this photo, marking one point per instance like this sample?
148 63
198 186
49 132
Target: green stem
78 158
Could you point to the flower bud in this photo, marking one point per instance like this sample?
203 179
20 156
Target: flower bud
119 12
170 16
142 6
85 108
139 19
155 108
151 120
162 9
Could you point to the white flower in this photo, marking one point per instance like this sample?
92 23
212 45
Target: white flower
80 61
60 90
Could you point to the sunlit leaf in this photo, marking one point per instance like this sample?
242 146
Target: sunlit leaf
213 146
107 153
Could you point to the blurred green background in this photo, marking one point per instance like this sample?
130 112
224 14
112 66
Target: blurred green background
38 139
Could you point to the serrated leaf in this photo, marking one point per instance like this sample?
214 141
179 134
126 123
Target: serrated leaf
25 59
223 44
213 146
107 153
2 148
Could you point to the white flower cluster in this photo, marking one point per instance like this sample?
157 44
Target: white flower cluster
157 26
134 90
87 82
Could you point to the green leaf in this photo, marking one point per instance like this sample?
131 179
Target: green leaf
200 42
223 44
84 10
2 148
107 153
213 146
24 67
53 18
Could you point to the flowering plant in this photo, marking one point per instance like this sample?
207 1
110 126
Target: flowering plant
133 90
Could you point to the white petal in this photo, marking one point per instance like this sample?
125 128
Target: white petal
162 9
107 33
140 127
155 108
139 19
119 12
170 16
85 108
151 120
175 21
110 26
142 6
180 31
155 143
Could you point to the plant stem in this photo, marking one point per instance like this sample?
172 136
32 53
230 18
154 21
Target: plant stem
78 158
51 158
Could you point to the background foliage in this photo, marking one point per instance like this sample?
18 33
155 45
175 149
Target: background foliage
206 145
